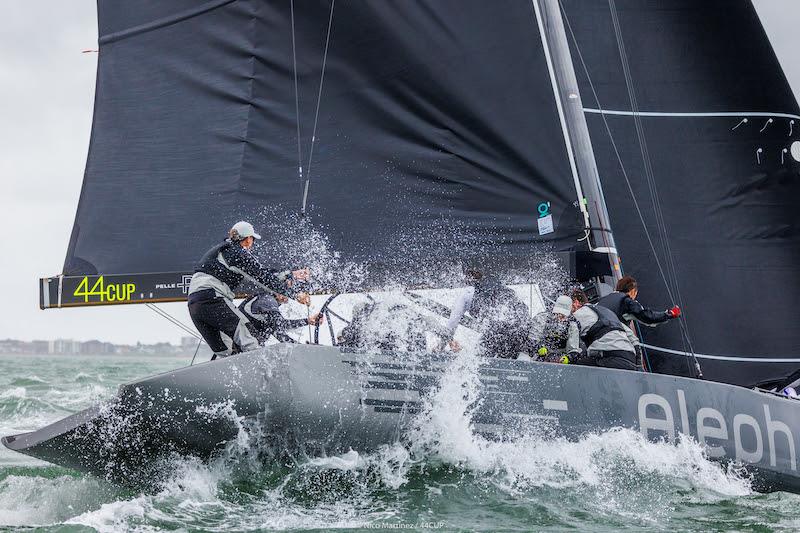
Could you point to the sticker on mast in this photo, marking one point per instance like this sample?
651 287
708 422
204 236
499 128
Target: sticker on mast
103 292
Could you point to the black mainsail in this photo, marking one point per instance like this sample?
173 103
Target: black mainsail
703 119
436 135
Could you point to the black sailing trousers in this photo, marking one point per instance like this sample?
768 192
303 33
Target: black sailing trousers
614 359
214 317
506 339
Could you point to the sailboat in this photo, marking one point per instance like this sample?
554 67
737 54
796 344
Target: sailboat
658 137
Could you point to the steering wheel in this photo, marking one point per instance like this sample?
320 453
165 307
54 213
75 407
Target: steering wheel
326 312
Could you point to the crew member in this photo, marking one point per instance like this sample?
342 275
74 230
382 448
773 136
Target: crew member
211 291
623 304
552 342
505 324
390 326
265 318
609 343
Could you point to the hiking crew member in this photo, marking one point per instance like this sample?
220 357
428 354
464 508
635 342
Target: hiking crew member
506 326
265 318
211 291
623 304
609 343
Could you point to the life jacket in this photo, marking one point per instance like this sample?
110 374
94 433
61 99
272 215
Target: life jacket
613 302
607 322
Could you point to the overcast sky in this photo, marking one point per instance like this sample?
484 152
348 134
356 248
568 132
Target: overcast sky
46 100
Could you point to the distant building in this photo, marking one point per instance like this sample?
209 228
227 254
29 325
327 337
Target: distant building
188 344
63 347
39 347
12 346
97 348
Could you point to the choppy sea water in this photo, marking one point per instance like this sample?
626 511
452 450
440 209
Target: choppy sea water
444 478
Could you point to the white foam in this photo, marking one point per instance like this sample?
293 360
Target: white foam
444 432
40 501
14 392
348 461
114 517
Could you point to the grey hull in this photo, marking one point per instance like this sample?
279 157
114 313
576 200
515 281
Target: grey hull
342 400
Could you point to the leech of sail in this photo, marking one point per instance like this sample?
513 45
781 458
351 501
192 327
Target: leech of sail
686 114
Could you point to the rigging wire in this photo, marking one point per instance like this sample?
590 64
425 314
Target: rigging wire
624 172
316 112
199 343
296 100
173 320
180 325
661 225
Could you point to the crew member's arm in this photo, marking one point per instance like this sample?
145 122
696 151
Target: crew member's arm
576 355
269 312
462 305
633 310
631 335
573 338
246 264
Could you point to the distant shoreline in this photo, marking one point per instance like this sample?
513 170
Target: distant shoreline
125 354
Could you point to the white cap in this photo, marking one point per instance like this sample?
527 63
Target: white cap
563 306
244 229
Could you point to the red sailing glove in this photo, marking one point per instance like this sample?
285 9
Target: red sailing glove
675 312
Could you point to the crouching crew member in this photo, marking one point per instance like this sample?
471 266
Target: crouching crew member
505 324
217 275
265 318
609 343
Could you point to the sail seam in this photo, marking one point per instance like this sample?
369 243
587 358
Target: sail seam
724 357
163 22
251 83
690 114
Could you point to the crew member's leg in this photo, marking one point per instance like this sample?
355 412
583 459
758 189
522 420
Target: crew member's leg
505 340
584 358
236 327
618 359
205 315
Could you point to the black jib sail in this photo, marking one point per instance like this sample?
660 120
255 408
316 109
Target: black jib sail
691 98
427 131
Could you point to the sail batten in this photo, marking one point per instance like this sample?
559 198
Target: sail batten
686 114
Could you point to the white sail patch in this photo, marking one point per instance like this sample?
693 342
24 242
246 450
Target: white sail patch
545 225
795 149
690 114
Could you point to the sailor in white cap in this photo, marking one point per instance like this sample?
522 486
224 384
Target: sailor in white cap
213 285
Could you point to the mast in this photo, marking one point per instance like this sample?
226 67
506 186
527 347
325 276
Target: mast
576 132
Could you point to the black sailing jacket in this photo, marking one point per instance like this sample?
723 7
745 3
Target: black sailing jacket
230 263
626 309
